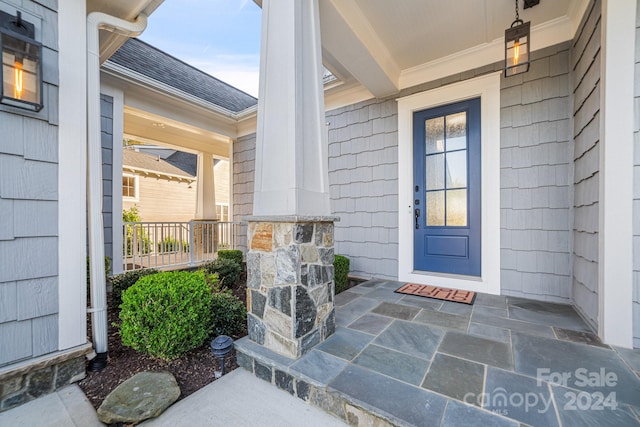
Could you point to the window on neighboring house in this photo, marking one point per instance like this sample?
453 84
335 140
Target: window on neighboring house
130 187
222 212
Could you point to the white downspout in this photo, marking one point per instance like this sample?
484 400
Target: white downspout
99 21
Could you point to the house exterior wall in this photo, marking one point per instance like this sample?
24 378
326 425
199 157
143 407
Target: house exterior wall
162 200
535 171
29 207
535 179
585 62
363 180
244 155
106 119
636 193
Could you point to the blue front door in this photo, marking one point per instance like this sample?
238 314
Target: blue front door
446 163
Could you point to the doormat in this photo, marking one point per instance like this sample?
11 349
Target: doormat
436 292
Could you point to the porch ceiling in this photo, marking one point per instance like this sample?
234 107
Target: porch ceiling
151 128
379 42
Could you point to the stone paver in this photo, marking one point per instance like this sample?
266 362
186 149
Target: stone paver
443 319
585 410
451 365
585 367
412 338
398 311
402 401
319 366
345 343
520 398
477 349
455 377
393 363
371 323
461 415
490 332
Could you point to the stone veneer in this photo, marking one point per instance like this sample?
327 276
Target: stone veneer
35 378
290 285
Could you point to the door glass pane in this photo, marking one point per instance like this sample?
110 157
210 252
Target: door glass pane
435 135
435 208
457 208
435 172
456 169
457 131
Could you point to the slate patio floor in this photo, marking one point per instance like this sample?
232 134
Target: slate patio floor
503 361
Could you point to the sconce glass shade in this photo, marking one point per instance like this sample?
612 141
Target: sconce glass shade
21 72
517 48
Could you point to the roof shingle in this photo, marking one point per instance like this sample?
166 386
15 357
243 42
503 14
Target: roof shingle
151 62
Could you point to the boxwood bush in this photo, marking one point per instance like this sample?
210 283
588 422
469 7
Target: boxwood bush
232 254
166 315
122 282
228 271
341 272
228 314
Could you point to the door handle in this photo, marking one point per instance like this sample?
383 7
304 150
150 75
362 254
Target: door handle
417 215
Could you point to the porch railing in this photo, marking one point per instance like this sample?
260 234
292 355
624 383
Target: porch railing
173 244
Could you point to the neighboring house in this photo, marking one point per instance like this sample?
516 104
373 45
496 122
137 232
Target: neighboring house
165 189
159 190
552 189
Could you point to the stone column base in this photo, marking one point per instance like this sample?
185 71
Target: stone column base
290 287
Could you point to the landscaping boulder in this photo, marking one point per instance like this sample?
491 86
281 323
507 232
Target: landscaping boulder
144 395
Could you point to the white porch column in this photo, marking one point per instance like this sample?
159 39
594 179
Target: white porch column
290 238
206 197
291 148
616 173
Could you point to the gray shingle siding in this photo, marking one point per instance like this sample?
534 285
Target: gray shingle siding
29 211
585 64
636 193
535 167
244 155
363 179
106 121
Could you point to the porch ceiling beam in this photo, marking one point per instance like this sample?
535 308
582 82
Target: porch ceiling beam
215 148
349 42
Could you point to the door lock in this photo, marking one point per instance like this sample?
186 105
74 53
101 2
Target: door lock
417 215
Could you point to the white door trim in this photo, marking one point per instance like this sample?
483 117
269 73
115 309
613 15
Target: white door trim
486 87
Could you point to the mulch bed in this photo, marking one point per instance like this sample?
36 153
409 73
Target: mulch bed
192 371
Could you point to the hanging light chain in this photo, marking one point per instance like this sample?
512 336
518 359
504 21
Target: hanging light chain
517 11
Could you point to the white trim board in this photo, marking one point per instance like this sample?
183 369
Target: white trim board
486 87
72 175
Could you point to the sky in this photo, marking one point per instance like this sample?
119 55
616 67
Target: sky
219 37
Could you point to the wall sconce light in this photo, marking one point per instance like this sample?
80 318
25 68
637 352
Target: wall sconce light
21 72
517 45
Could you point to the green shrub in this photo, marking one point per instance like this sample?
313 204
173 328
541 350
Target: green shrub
124 281
166 315
228 314
137 242
341 272
232 254
169 244
228 271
